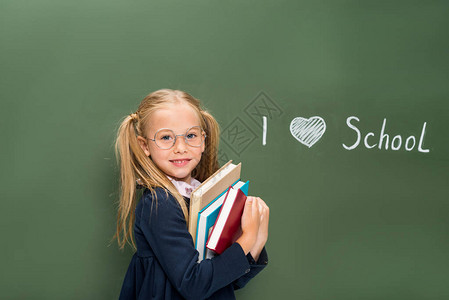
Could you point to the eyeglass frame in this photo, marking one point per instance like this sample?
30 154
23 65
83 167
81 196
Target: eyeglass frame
176 136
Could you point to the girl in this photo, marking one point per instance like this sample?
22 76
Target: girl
168 147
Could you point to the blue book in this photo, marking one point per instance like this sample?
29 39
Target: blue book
207 217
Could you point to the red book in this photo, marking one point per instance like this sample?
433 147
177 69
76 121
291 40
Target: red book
227 227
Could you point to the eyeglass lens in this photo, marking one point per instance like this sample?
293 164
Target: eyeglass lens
165 138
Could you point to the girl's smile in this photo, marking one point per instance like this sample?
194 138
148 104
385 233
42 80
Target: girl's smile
180 162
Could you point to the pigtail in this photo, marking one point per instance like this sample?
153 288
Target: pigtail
125 148
209 160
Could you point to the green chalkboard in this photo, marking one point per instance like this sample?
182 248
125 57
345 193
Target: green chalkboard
337 82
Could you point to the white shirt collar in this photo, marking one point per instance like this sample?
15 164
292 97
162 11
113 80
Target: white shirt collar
184 188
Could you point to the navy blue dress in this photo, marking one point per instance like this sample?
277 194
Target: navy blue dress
165 265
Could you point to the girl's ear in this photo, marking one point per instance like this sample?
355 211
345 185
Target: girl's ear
144 145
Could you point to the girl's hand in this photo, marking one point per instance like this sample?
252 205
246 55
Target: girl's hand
262 234
250 224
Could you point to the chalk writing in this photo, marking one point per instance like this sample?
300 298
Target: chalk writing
308 131
264 136
396 141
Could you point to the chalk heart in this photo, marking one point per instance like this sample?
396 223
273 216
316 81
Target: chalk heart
308 131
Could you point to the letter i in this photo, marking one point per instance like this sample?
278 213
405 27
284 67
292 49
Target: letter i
264 137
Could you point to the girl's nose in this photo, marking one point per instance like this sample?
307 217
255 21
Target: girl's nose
180 145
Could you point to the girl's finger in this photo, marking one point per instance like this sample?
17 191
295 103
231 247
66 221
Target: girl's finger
247 210
265 206
261 208
263 203
255 207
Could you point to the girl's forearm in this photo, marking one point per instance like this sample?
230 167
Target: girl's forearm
247 242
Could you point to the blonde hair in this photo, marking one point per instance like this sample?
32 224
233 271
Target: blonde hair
135 166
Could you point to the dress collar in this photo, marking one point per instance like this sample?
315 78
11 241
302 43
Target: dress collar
184 188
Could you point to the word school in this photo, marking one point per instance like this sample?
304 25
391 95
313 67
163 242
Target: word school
384 139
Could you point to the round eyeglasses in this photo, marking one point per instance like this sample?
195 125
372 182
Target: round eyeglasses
166 138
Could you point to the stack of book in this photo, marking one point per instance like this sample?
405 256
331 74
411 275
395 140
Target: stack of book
216 207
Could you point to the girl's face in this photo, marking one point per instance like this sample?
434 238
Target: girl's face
179 161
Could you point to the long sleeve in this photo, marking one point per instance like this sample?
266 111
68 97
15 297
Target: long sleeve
163 225
255 268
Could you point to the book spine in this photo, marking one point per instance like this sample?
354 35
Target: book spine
213 235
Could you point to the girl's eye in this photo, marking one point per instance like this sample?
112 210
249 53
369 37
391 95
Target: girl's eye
166 138
191 136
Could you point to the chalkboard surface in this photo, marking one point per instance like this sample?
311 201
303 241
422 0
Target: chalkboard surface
338 111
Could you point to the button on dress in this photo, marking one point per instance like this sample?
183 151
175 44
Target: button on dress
165 265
